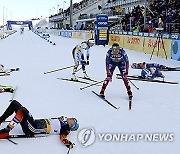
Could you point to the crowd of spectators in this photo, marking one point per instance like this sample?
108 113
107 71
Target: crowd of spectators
168 11
164 11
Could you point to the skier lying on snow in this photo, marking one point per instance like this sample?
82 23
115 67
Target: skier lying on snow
148 65
4 88
58 126
151 73
149 70
3 70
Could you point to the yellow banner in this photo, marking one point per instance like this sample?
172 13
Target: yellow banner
160 48
1 35
115 38
78 35
133 42
89 35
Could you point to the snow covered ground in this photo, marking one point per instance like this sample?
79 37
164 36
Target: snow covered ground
155 110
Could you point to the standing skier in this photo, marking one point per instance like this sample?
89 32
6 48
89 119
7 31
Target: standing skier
58 126
81 56
116 57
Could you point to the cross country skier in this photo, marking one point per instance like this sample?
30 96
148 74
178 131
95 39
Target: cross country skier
4 88
3 70
57 126
151 73
81 56
116 57
148 65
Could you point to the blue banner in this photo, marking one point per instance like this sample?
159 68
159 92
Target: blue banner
175 50
9 23
101 29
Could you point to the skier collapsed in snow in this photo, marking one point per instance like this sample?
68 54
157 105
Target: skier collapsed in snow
116 57
148 65
81 56
4 88
149 70
6 71
57 126
151 73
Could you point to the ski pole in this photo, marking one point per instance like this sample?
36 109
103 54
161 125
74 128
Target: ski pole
79 69
133 84
58 69
68 150
91 85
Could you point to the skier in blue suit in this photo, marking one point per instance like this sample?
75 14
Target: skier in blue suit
148 65
116 57
151 73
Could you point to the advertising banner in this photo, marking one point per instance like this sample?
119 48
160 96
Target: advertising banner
101 29
113 38
133 42
152 43
175 50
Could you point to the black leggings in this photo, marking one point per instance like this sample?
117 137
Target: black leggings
27 123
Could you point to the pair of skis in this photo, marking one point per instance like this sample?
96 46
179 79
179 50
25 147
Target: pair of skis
139 78
4 73
10 137
7 73
79 81
108 102
104 99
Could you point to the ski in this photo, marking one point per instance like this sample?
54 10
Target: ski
27 136
139 78
130 103
105 100
89 79
171 69
4 74
78 81
12 141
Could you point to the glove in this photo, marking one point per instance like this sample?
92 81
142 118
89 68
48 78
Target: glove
109 77
63 118
4 133
87 63
68 144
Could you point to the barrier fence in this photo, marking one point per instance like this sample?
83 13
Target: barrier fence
143 42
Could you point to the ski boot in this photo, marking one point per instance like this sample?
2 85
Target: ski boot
74 78
102 93
85 75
